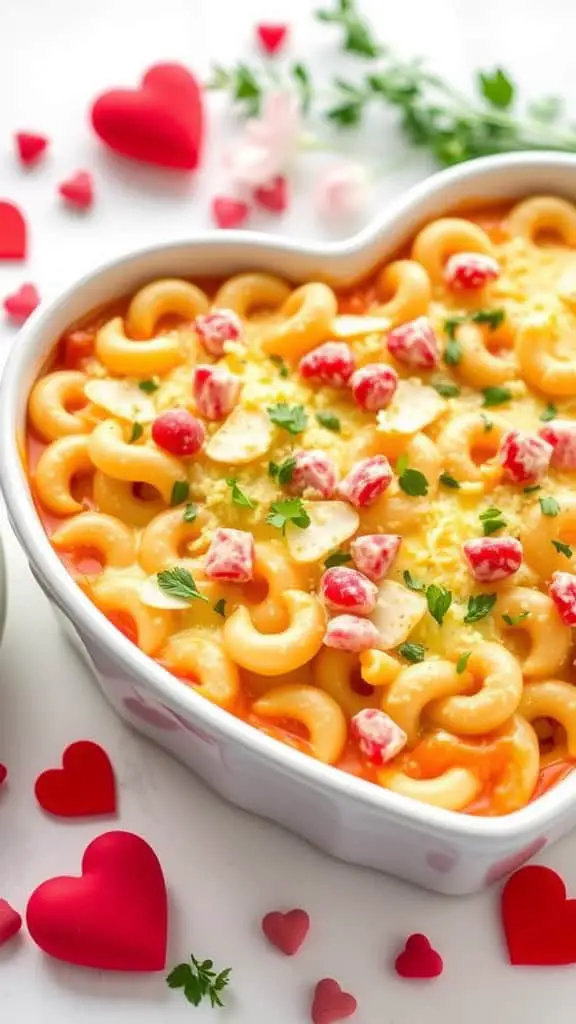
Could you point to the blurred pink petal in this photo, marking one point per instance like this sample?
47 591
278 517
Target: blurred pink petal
252 164
268 142
342 191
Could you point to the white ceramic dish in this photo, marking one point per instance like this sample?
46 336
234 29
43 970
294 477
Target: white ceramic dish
349 818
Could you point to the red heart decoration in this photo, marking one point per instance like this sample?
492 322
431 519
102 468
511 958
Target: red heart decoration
12 233
331 1003
286 931
22 303
83 786
229 213
272 37
3 773
30 147
273 196
161 123
418 959
539 922
78 190
10 922
114 917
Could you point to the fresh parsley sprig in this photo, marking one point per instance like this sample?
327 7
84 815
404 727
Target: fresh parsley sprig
291 418
179 582
199 981
239 497
290 510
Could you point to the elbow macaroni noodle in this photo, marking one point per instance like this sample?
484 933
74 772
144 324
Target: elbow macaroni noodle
487 702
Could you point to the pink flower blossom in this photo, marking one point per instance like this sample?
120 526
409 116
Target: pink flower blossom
342 190
269 141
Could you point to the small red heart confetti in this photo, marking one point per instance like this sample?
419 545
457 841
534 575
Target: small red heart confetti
114 917
3 773
78 191
271 37
30 147
12 233
83 786
418 959
22 303
274 195
539 922
331 1003
229 213
10 922
286 931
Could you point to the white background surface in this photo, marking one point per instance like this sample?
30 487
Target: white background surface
224 869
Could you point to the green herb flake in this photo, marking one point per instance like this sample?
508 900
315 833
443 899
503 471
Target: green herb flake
329 421
532 489
497 88
479 606
491 317
148 386
462 662
413 483
449 481
562 549
492 520
488 424
239 497
136 433
199 981
412 652
220 607
452 352
439 600
179 582
411 582
280 364
446 388
290 510
549 413
291 418
549 506
515 620
496 396
180 492
337 558
190 512
282 471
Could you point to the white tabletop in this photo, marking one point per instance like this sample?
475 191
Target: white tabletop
224 869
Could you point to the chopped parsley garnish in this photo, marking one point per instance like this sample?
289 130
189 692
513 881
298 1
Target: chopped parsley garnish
452 352
462 662
479 606
448 481
496 396
180 492
411 582
178 582
439 600
239 497
136 433
220 607
279 362
492 317
562 549
148 386
451 325
412 652
549 506
492 520
534 487
291 418
337 558
290 510
282 471
488 424
329 421
199 981
190 512
446 388
515 620
412 481
549 413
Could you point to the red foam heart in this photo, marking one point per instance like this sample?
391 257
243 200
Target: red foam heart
22 303
3 773
114 917
161 122
418 959
539 922
10 922
78 190
273 196
229 213
271 37
331 1003
30 147
286 931
12 233
83 786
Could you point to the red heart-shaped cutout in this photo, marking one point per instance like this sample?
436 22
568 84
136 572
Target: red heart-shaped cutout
539 922
272 37
3 773
30 147
83 786
228 212
286 931
331 1003
78 190
273 196
418 959
114 917
162 122
12 233
10 922
22 303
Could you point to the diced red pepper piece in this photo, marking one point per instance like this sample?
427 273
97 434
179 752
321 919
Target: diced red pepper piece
315 471
178 432
561 434
493 558
377 735
347 590
215 391
331 363
366 481
217 327
374 553
415 344
470 271
562 590
525 457
351 633
230 556
373 386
